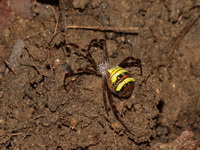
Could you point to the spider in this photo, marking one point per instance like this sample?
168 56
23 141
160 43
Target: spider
115 80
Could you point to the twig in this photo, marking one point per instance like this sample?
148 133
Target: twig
55 30
8 65
108 29
56 17
13 134
20 142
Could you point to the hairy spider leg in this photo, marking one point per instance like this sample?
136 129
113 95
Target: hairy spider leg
98 43
88 56
88 71
115 110
104 47
79 71
135 62
104 87
102 44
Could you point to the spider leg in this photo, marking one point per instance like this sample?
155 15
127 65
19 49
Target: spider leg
104 87
89 56
87 71
115 110
135 62
95 42
102 44
104 47
79 71
67 44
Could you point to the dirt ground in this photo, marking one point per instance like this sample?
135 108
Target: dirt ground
37 112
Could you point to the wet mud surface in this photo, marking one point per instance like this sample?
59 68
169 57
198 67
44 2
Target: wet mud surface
38 112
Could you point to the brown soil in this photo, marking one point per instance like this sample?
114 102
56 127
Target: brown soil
38 113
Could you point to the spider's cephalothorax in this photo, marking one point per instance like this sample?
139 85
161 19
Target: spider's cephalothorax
116 80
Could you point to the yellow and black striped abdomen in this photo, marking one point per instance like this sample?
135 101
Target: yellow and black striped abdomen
120 81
